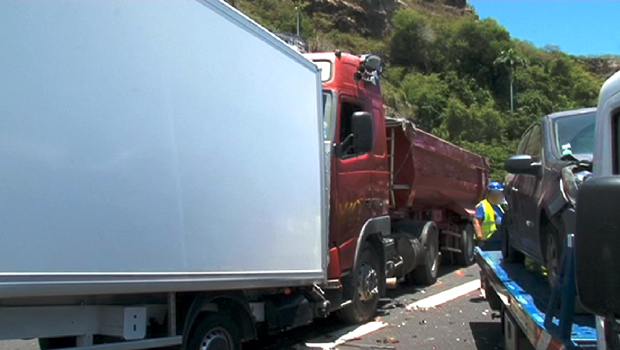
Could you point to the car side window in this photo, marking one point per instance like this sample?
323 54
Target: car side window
523 142
535 142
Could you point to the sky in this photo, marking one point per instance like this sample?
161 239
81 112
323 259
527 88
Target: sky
577 27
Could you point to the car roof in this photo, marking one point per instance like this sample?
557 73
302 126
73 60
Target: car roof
571 112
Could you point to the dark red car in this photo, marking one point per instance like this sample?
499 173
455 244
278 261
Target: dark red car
554 157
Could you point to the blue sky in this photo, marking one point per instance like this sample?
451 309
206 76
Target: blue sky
577 27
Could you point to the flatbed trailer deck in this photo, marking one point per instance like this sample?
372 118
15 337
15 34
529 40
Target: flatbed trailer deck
522 296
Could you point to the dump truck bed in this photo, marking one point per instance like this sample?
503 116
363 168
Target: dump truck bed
525 294
428 172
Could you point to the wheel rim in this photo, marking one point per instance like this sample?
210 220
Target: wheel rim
217 339
368 283
552 259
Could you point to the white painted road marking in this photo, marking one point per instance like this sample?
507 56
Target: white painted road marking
445 296
426 303
357 333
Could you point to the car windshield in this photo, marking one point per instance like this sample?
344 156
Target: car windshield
575 134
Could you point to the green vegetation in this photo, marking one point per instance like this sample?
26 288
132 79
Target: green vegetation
454 75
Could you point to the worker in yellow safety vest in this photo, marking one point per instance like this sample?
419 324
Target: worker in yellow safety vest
489 213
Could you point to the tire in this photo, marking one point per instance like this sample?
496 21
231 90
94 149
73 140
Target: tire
553 253
509 254
426 274
552 239
216 331
466 257
57 343
365 285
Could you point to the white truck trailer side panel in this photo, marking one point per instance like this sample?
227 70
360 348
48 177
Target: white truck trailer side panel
155 145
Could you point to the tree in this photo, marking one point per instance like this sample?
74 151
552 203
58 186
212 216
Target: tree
511 59
429 95
409 39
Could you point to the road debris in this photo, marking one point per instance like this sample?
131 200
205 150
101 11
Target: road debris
390 340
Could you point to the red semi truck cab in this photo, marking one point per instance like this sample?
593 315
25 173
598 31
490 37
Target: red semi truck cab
359 178
398 195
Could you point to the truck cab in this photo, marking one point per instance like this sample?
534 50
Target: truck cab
607 129
397 194
597 238
354 121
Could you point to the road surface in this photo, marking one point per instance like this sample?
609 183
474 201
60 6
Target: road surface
457 318
448 315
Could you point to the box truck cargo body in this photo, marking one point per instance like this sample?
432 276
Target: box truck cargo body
151 150
159 143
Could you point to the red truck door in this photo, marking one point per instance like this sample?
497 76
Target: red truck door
354 181
381 173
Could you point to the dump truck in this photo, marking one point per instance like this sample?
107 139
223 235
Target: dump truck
157 193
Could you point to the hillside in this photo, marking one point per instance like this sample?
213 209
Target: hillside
446 68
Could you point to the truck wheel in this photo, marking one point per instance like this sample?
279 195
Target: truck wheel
215 331
57 343
509 254
366 289
426 274
466 257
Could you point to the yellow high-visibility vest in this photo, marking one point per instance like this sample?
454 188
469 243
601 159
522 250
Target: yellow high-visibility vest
489 225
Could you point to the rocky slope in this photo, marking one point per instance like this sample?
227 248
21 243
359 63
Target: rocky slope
601 66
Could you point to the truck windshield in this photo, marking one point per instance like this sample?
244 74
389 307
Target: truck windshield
328 115
575 134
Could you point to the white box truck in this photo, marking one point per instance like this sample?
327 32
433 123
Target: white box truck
162 178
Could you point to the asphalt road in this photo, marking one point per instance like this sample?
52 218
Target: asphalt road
465 322
462 323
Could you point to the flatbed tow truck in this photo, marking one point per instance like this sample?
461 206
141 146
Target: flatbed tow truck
590 271
522 297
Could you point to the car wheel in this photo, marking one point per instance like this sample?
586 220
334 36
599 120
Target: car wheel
553 254
509 254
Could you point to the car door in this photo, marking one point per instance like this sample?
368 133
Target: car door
354 181
513 196
528 189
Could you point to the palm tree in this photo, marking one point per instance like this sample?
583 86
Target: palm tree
511 59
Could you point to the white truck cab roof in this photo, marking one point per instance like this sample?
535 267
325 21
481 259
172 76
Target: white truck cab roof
608 128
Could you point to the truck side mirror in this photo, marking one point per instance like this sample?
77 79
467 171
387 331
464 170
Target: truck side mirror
597 243
522 164
362 129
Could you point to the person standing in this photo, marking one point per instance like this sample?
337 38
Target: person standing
489 214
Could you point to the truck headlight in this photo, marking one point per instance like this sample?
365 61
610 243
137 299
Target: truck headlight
570 183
